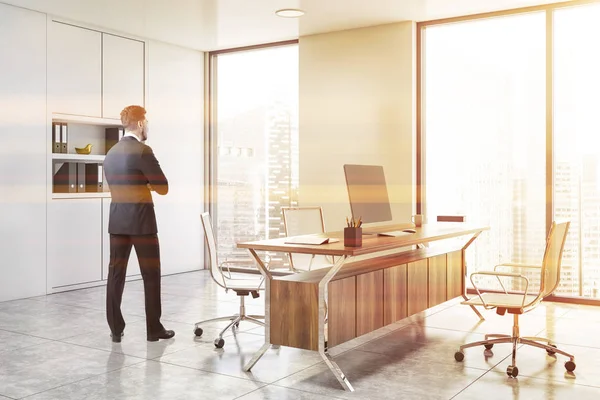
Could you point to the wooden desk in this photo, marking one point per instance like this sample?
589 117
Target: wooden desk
319 309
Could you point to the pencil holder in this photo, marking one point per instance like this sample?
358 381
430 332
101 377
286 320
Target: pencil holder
352 237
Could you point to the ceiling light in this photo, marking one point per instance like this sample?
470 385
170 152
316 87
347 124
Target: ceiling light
289 13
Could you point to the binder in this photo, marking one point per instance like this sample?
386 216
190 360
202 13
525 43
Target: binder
100 178
93 177
81 177
56 144
64 137
65 178
112 136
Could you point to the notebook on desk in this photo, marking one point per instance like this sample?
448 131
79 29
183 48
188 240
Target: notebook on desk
310 239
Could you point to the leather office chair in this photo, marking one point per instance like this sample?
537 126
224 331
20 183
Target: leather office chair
242 284
517 304
305 221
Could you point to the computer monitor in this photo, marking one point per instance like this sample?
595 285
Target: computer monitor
368 193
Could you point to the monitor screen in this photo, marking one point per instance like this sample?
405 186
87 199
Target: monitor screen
368 193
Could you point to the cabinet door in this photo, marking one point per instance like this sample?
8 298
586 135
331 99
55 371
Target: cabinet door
394 292
74 242
437 280
341 325
454 274
122 74
133 267
418 296
74 70
369 302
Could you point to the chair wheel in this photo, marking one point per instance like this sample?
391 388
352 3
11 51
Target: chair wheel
488 346
512 370
198 331
459 356
550 352
570 366
219 343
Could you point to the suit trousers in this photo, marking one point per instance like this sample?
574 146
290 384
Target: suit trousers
148 253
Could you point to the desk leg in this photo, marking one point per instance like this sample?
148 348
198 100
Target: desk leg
464 275
336 371
268 277
323 299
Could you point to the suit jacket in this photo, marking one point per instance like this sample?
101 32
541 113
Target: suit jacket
129 167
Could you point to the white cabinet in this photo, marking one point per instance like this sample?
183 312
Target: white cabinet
74 70
23 153
93 74
133 266
74 242
122 74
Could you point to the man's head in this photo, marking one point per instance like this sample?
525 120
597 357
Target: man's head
134 120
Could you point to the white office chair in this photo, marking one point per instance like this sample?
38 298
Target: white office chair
516 304
242 284
305 221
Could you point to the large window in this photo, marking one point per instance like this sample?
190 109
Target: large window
486 99
484 93
577 144
256 135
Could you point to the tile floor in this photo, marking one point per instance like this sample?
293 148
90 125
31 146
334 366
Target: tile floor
58 347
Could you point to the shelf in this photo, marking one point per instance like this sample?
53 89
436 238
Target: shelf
84 158
87 195
78 119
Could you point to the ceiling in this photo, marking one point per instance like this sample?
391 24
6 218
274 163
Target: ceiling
219 24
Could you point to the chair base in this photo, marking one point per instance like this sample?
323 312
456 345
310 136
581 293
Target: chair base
515 339
512 370
234 323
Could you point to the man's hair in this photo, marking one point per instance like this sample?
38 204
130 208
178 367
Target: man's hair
131 115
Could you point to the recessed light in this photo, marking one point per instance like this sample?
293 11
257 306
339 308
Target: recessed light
289 13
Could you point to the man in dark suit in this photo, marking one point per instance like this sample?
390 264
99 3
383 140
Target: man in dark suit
132 172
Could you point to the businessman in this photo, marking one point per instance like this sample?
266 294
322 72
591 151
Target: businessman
132 172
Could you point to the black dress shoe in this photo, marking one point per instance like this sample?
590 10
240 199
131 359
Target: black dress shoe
116 338
165 334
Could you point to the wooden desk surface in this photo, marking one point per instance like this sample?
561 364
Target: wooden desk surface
371 243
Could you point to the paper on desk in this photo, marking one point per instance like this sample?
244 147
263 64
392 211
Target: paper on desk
310 239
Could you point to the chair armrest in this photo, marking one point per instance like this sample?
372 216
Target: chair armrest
498 275
240 261
517 265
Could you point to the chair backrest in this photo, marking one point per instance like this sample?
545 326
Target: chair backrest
555 244
304 221
211 242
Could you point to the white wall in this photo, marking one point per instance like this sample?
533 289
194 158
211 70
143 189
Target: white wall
176 120
174 21
22 153
175 109
357 106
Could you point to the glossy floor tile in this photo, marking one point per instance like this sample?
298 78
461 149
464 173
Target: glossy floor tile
13 341
381 376
35 369
277 363
152 381
58 347
272 392
498 386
